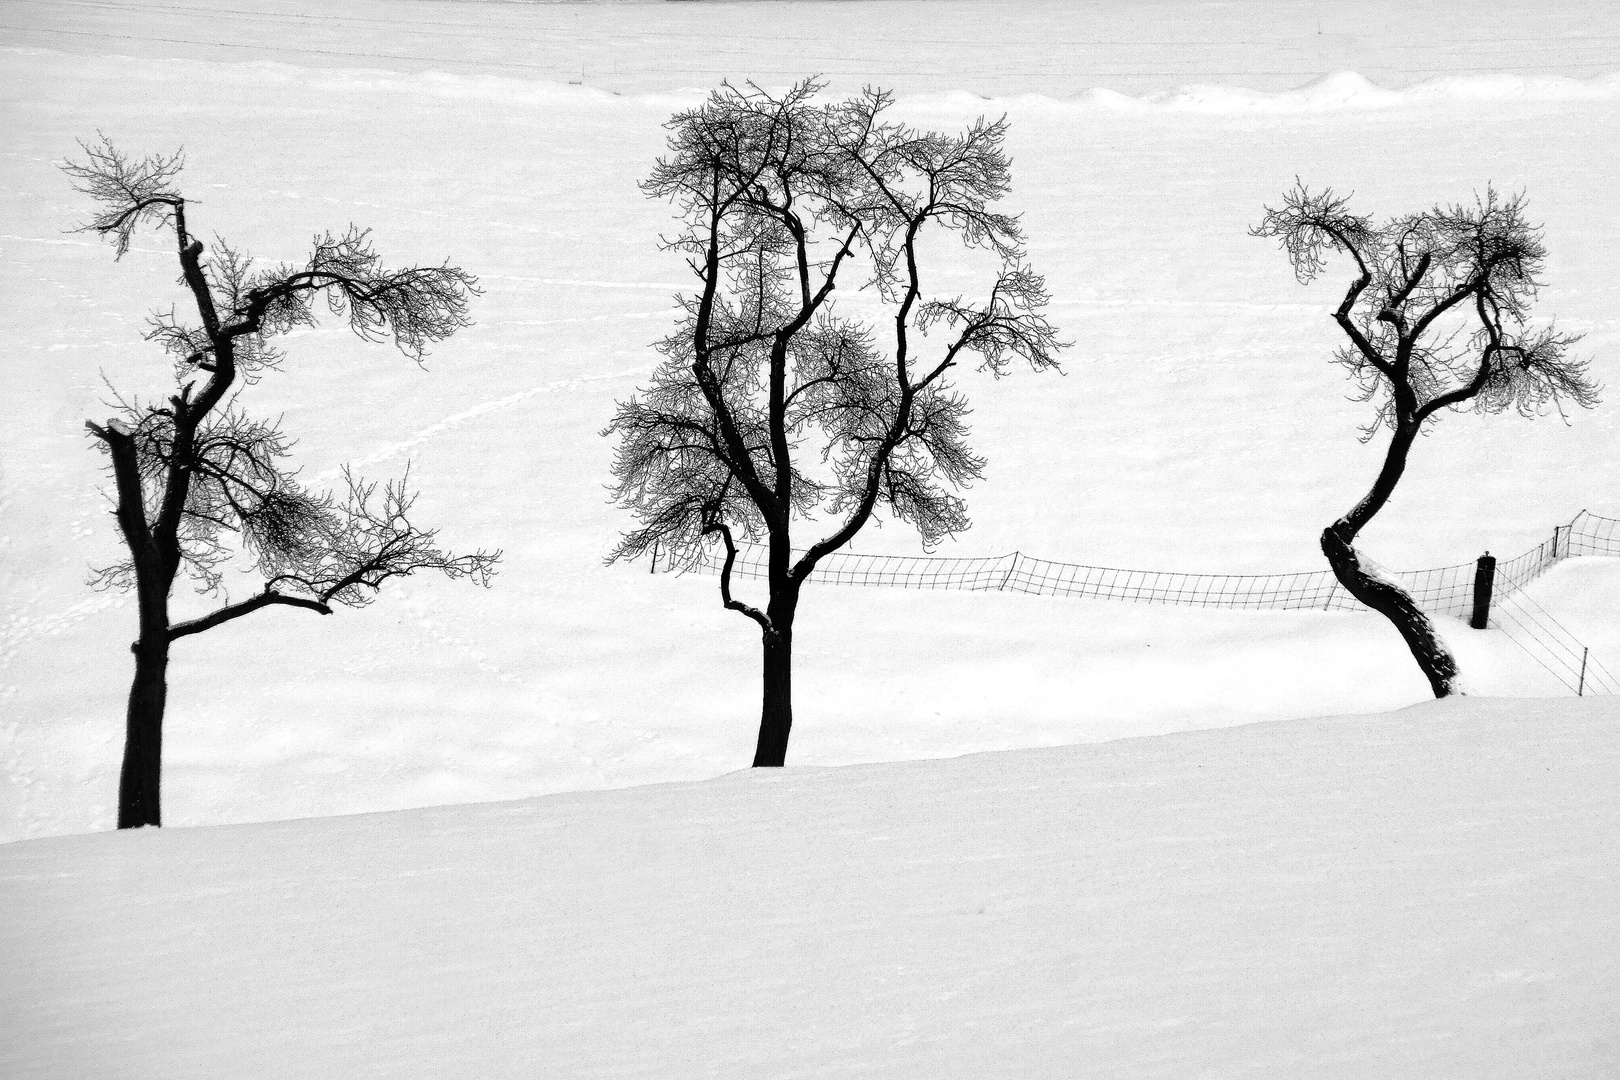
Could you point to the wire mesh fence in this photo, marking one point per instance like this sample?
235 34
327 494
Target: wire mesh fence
1549 643
1442 590
1589 534
1534 629
1043 577
885 571
1514 574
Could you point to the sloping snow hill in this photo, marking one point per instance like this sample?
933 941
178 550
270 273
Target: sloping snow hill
1427 893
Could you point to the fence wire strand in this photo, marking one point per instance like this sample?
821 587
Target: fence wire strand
1549 642
1442 590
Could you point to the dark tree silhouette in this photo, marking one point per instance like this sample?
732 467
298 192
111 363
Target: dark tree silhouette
199 482
1437 317
770 408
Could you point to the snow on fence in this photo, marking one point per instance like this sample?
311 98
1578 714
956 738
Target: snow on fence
1443 590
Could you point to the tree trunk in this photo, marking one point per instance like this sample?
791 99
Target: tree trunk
140 781
1392 602
776 714
776 711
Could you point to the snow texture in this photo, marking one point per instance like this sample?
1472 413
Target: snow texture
1421 893
1426 894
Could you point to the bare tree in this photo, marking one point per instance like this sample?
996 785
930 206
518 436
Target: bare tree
769 408
199 482
1437 317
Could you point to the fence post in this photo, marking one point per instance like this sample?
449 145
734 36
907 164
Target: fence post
1580 691
1011 566
1484 578
1556 530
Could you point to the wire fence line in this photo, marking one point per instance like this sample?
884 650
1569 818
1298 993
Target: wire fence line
1442 590
1549 643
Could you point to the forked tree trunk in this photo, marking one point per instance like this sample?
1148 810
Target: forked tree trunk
1393 603
776 710
140 780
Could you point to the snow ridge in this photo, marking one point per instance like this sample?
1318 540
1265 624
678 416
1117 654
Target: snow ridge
1333 92
1343 90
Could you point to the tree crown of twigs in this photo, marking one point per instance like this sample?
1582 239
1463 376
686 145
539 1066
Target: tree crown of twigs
1438 315
775 195
209 480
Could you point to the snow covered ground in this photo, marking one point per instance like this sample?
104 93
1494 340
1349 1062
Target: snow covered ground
1058 48
1198 427
1423 894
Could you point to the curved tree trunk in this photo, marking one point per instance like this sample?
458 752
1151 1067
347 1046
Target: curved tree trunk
1393 603
140 780
1385 597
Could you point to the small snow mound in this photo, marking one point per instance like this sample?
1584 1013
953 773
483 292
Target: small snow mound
1344 88
1341 90
1104 98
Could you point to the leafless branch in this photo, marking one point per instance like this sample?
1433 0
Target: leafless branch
769 406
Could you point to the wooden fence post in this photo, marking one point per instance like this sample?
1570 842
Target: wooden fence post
1484 578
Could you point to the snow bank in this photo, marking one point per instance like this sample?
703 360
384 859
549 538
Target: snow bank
1053 47
1349 90
1337 91
1428 893
1327 93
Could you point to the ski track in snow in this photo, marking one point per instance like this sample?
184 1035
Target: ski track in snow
455 420
19 628
584 284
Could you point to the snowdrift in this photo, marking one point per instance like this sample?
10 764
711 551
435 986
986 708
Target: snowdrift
1427 893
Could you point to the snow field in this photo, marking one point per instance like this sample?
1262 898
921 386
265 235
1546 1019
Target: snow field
1059 48
1423 893
1199 427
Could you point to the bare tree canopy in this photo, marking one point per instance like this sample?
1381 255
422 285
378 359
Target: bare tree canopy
1437 317
769 408
201 483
